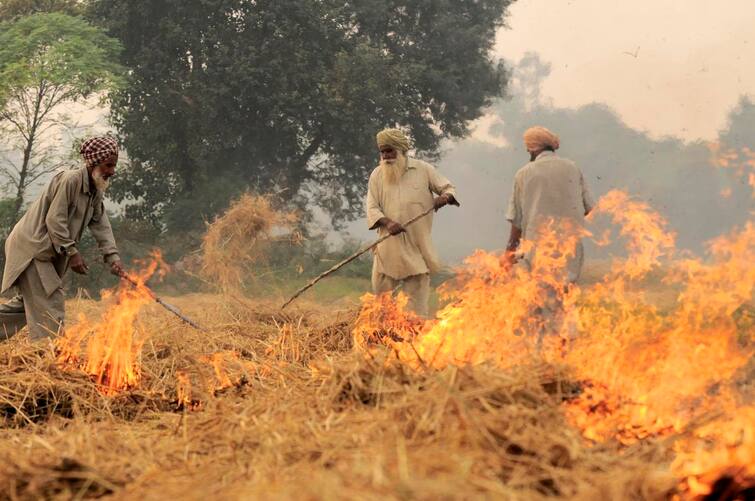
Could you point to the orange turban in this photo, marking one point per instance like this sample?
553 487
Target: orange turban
540 138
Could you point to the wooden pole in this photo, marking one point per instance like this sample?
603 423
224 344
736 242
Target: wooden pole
351 258
162 303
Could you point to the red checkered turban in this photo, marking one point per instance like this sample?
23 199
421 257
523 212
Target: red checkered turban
96 150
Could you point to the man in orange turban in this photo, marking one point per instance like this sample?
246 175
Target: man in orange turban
549 188
550 198
539 139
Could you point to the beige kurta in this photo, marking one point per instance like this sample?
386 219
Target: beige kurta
410 253
550 187
416 288
53 223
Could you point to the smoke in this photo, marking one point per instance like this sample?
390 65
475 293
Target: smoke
675 177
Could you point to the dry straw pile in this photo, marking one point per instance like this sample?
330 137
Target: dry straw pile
241 238
282 405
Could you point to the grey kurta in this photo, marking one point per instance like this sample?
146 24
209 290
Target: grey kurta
550 187
410 253
53 223
35 251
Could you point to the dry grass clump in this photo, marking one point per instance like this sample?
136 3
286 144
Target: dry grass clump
240 238
35 390
271 404
478 431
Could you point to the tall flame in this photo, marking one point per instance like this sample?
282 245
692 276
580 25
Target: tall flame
109 349
644 372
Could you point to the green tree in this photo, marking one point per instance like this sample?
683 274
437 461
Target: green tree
13 9
46 62
287 95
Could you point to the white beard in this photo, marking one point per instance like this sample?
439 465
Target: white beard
394 169
100 182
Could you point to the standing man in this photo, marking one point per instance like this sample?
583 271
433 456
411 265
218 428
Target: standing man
549 187
399 189
42 245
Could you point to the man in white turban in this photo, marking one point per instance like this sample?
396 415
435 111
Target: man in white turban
399 189
549 188
43 244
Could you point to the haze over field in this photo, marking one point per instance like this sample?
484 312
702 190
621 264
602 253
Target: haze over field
634 96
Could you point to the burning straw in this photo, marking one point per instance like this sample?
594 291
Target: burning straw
281 404
308 416
643 373
109 350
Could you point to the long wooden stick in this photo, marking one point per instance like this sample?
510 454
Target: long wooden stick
351 258
162 303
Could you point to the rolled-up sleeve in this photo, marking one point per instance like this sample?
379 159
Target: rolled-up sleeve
514 212
103 234
372 202
56 220
440 185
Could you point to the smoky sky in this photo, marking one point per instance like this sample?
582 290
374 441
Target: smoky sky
666 66
675 177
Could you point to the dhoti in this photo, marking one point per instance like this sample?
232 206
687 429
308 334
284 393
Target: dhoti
416 287
43 312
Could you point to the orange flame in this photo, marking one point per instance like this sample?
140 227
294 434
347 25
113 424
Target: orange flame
719 450
228 370
114 343
183 390
644 372
217 360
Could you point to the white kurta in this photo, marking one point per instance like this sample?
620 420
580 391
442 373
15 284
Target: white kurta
550 187
410 253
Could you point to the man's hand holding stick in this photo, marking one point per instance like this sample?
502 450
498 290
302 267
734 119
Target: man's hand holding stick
391 226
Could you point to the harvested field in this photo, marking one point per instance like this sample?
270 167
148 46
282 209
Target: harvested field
271 404
301 414
519 389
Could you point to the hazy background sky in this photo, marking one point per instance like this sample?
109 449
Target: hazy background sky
694 58
634 89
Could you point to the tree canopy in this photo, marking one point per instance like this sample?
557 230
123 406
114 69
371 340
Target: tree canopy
46 60
14 9
286 96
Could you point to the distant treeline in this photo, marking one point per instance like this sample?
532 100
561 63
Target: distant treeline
214 97
684 181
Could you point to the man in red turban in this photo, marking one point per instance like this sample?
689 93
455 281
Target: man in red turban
43 244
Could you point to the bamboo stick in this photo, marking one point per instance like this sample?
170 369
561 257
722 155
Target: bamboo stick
351 258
